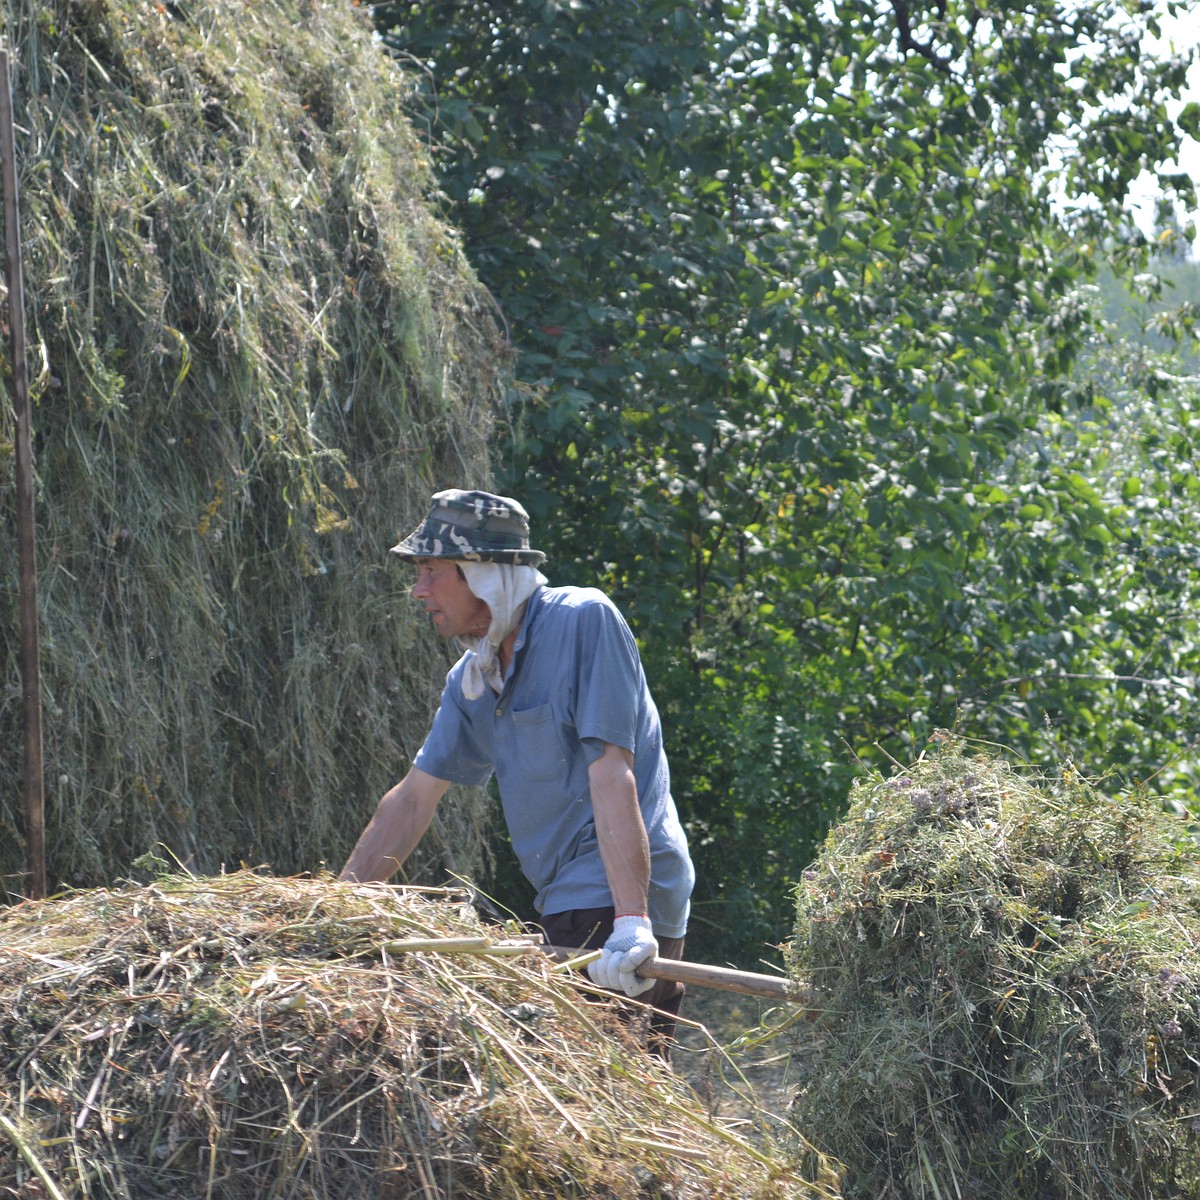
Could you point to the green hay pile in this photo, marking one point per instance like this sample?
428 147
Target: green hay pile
255 349
241 1037
1010 983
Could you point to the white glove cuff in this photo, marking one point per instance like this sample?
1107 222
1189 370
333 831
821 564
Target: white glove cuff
631 921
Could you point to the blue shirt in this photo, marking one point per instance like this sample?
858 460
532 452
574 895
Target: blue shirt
576 682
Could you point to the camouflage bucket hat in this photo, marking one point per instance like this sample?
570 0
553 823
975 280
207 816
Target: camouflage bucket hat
474 526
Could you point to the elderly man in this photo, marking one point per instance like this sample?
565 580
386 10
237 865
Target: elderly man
550 696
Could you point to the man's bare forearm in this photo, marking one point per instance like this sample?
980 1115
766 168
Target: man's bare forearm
399 823
620 830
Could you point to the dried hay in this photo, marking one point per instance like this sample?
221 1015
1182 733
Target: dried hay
244 1036
1011 983
255 350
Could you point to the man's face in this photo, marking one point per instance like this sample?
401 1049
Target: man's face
454 609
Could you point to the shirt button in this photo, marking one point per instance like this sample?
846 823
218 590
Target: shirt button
499 712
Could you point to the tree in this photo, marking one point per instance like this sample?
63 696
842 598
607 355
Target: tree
795 290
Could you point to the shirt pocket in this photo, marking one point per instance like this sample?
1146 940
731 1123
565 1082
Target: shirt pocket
539 744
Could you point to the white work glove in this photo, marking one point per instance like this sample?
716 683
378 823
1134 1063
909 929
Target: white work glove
630 944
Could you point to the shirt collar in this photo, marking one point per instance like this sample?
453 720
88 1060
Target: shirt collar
531 606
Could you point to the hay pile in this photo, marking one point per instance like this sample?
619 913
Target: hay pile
243 1036
255 349
1011 978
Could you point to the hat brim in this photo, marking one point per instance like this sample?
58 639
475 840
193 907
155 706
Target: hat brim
413 548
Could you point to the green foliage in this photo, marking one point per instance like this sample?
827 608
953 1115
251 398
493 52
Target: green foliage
1157 310
795 290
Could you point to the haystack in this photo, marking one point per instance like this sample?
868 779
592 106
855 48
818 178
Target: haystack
245 1036
1010 978
255 349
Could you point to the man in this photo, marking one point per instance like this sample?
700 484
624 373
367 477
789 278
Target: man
550 696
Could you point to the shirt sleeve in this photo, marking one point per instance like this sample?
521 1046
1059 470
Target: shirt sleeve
452 750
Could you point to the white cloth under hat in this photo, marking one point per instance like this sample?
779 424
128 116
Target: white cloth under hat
504 588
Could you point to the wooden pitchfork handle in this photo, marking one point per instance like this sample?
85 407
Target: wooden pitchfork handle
748 983
726 979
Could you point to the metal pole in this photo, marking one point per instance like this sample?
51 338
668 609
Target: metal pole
35 804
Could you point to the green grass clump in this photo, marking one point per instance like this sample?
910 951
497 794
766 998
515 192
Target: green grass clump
1008 972
255 349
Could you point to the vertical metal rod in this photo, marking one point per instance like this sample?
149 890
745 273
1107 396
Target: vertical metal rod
35 804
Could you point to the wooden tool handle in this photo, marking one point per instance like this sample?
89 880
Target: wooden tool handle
726 979
748 983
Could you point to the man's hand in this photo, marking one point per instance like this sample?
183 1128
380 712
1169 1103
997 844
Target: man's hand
630 944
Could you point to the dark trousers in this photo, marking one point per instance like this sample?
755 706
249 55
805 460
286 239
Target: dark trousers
589 929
